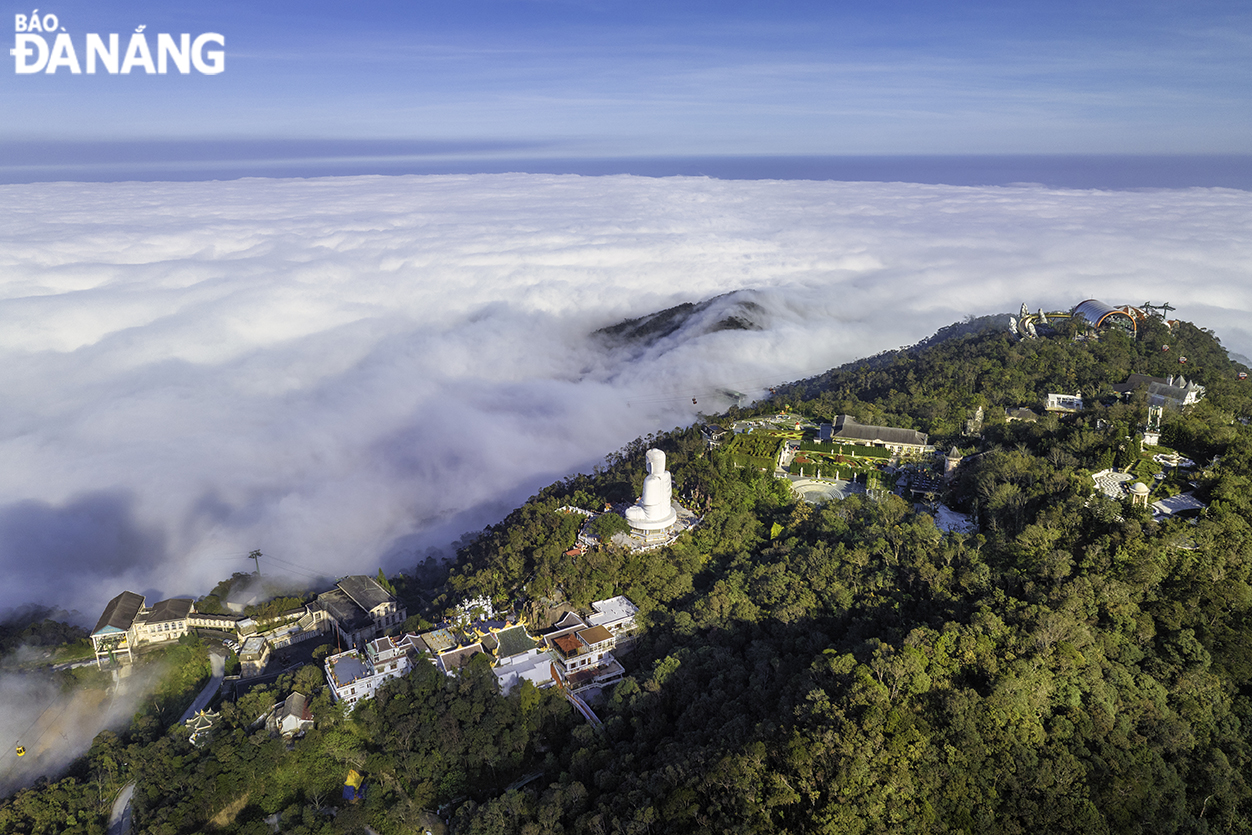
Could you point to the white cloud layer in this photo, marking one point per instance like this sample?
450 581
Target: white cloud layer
55 725
342 372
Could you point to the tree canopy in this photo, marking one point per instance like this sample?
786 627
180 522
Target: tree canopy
849 667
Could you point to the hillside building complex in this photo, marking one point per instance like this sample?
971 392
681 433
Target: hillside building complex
359 609
1174 391
899 442
354 675
127 623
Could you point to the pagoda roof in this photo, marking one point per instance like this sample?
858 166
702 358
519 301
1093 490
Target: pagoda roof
513 641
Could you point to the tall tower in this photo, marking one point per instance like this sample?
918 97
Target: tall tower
950 462
1152 429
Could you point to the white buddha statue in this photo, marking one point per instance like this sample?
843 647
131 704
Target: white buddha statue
655 510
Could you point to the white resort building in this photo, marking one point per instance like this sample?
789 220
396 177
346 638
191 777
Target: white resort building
353 675
582 655
617 614
127 623
1174 391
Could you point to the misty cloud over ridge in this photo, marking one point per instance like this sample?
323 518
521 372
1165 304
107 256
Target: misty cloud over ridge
341 372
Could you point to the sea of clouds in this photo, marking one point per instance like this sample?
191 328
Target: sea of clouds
345 372
55 724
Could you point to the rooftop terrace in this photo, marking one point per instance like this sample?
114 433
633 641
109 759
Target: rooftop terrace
347 668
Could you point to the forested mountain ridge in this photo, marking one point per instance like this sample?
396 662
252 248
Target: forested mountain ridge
1073 667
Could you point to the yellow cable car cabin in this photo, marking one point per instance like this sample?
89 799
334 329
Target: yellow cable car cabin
21 751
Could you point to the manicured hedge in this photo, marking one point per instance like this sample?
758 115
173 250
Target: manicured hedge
854 450
755 445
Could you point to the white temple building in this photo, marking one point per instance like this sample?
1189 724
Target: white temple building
655 513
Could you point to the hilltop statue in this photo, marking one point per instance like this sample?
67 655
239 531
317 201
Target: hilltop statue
655 509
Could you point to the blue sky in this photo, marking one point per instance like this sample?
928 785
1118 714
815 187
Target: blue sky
547 77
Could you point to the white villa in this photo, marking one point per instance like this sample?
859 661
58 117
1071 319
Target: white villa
353 676
1066 403
616 614
582 655
577 653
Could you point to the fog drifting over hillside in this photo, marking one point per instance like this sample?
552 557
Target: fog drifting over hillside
343 372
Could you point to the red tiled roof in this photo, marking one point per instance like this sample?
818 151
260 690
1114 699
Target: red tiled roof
568 644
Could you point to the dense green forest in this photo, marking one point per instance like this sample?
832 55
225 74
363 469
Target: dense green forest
1075 666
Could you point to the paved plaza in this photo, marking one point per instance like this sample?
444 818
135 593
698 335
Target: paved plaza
816 491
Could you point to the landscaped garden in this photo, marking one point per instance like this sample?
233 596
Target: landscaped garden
836 460
1174 480
758 448
835 466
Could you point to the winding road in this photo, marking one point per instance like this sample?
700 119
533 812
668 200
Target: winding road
217 664
119 819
